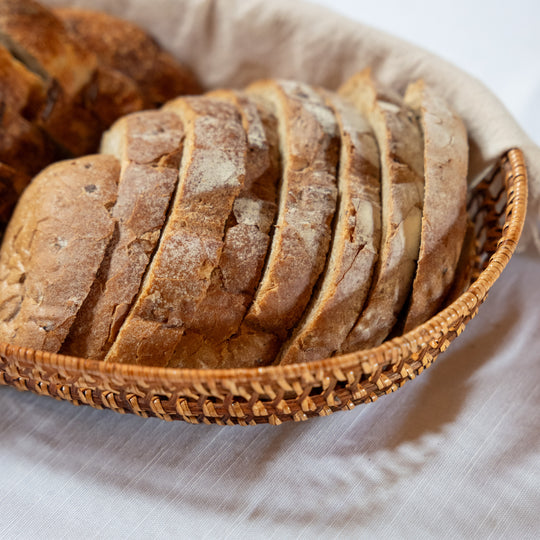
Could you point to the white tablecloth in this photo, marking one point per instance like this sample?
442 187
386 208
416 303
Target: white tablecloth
453 454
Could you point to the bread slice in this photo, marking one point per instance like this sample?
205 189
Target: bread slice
235 279
465 267
355 244
309 146
444 220
145 189
50 254
126 48
402 190
212 174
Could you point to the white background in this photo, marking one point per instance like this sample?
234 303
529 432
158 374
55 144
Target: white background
453 454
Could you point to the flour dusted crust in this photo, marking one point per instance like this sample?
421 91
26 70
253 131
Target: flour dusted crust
123 47
212 174
145 187
335 307
402 185
50 256
444 220
235 279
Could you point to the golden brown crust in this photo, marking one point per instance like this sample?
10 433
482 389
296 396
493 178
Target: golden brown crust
64 82
50 255
144 193
35 35
235 278
123 46
444 219
23 146
21 90
212 174
337 303
401 148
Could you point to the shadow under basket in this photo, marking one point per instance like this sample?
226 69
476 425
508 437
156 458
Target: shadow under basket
276 394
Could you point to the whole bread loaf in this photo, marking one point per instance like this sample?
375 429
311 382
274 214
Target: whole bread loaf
67 75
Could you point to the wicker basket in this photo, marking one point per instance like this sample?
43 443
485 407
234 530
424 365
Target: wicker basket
295 392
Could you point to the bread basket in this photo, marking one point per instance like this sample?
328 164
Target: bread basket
276 394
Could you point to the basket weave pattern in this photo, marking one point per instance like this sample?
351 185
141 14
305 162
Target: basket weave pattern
296 392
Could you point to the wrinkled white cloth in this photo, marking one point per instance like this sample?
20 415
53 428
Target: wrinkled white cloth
452 454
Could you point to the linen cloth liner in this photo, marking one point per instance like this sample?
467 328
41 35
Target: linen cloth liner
232 42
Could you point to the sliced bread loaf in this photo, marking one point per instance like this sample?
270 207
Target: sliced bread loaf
402 190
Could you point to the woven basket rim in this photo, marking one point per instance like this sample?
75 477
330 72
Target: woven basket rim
368 360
